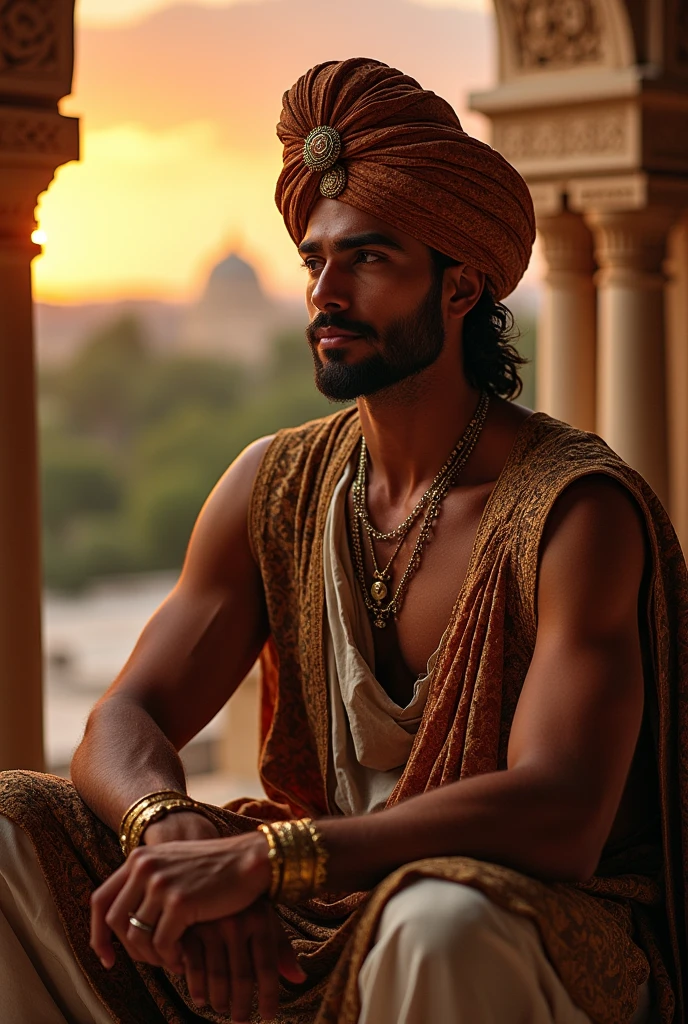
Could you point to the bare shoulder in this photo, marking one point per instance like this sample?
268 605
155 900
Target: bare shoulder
219 545
593 551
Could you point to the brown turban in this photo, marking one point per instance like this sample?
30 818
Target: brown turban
398 152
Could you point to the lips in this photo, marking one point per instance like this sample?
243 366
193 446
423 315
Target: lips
332 337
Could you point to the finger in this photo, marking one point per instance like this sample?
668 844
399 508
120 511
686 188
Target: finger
216 967
101 901
264 954
175 919
139 943
194 968
287 960
131 894
241 972
133 902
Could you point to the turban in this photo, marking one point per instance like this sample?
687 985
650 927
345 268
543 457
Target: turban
396 151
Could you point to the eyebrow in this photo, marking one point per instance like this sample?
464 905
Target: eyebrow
354 242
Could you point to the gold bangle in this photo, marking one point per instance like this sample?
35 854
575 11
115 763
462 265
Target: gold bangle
322 856
138 805
304 861
149 809
275 860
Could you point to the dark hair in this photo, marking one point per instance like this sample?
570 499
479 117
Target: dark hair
491 360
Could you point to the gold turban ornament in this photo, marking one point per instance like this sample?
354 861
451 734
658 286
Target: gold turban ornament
364 133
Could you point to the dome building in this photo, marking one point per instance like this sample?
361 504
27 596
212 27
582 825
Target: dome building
234 319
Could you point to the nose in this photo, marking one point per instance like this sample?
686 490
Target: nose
330 292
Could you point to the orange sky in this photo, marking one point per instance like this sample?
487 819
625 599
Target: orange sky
179 155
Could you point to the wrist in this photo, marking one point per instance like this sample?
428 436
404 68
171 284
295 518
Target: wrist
258 863
177 827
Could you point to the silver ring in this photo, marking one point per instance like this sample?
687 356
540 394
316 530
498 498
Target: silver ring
141 925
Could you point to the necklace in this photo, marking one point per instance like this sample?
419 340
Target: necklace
429 504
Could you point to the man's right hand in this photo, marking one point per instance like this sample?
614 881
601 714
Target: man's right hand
225 961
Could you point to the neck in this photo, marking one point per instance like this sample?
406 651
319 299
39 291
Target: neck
411 428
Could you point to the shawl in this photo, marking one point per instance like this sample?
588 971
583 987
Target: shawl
604 936
360 131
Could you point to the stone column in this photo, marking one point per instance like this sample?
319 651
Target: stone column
631 371
21 731
566 329
36 57
21 721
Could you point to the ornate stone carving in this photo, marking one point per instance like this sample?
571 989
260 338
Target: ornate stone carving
596 138
556 33
29 134
563 136
36 137
28 36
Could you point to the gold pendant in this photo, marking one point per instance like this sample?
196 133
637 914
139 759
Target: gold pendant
379 591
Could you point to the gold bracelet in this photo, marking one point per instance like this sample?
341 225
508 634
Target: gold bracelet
139 805
275 860
322 855
151 808
304 861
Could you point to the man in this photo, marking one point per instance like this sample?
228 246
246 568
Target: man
472 627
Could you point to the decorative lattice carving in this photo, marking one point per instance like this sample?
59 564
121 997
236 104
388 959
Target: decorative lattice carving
563 136
28 35
556 33
30 133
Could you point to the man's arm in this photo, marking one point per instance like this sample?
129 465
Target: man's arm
190 658
576 724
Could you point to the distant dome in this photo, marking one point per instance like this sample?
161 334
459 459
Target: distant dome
233 284
232 268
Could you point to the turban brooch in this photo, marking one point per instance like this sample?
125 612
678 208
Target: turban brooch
362 132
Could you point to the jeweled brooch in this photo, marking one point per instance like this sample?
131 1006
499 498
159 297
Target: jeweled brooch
322 148
320 153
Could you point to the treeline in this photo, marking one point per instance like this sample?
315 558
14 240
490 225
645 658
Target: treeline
133 441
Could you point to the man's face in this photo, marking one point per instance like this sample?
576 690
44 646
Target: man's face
374 302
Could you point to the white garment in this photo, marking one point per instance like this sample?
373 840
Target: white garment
445 954
371 735
40 981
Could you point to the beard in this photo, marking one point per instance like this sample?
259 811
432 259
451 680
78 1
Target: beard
407 346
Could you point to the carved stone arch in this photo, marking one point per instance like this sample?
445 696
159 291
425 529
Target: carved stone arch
557 35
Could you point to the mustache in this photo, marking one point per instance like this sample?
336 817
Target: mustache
322 320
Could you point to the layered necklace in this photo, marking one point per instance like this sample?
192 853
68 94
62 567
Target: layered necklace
380 604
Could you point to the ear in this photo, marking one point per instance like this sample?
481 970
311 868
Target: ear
463 286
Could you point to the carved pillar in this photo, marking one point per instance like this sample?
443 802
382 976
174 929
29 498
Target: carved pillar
677 378
631 372
35 71
566 331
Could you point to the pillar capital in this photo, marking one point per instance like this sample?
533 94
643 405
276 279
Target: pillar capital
33 143
630 245
566 243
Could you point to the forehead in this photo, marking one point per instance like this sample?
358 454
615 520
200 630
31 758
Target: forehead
332 219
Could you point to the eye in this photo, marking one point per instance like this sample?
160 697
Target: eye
367 257
311 264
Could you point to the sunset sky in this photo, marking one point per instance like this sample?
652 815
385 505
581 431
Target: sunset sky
178 105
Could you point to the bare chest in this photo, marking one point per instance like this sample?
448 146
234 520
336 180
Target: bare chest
403 647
